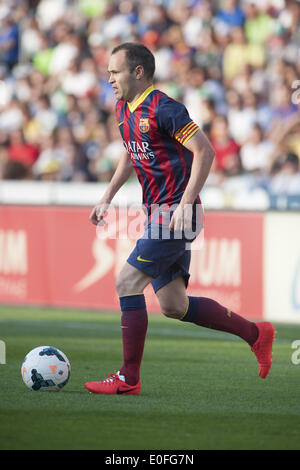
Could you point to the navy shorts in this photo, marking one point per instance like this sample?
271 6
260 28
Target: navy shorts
162 255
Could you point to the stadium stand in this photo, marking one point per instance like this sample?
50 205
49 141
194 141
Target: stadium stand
234 64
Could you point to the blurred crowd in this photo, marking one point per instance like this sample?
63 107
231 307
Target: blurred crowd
234 64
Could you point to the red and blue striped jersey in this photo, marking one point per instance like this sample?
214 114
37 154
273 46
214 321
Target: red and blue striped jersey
154 130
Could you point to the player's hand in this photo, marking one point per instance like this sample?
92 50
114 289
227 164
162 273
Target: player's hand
98 213
181 219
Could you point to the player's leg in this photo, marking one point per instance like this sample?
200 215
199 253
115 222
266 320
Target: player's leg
146 261
173 299
208 313
149 258
203 311
134 322
131 281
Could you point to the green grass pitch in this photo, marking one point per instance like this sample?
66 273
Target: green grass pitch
200 388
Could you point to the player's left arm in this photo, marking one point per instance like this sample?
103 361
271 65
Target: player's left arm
203 155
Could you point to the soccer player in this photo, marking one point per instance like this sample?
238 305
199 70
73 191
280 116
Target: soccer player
172 158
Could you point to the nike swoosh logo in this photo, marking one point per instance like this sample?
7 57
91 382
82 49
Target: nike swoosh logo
120 123
121 392
144 260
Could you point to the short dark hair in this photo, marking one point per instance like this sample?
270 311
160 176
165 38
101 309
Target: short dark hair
138 54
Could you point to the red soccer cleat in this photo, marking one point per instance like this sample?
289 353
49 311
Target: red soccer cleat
113 385
262 348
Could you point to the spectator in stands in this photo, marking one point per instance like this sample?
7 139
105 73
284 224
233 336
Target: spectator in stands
239 53
4 158
79 79
50 171
286 179
9 40
232 62
242 119
259 25
230 13
227 159
256 153
16 170
21 151
283 106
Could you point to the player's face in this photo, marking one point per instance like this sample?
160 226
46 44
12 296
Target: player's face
121 79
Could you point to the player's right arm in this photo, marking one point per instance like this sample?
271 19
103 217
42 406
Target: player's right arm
121 175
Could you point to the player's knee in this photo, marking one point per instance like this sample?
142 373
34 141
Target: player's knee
123 286
172 311
128 285
173 306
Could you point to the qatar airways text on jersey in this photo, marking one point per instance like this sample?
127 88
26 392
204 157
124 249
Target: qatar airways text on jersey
137 151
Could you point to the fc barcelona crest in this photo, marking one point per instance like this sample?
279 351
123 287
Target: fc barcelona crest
144 125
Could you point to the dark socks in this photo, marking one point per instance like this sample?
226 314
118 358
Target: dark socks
134 323
210 314
201 311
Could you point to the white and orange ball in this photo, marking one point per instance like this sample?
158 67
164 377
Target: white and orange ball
46 368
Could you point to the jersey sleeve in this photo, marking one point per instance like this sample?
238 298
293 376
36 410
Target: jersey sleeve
174 120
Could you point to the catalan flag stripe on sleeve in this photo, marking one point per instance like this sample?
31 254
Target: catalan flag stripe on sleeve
183 134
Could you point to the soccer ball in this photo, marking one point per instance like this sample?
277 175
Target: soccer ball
46 369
